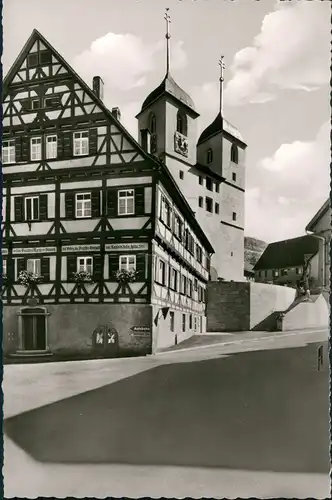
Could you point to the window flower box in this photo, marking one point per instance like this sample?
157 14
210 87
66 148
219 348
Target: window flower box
27 278
83 277
125 276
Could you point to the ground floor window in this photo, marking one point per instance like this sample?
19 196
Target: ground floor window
183 322
190 321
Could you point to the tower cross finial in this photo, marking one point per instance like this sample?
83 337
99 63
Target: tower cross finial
221 83
167 36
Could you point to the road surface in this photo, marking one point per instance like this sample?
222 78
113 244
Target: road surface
209 422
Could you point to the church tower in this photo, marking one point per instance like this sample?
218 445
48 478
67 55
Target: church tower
168 118
221 149
210 172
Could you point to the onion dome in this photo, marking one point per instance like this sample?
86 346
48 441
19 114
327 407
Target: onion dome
217 126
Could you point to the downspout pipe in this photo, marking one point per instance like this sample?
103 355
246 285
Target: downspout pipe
309 233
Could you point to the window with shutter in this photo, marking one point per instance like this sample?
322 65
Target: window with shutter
70 205
113 265
51 147
18 208
95 203
18 149
34 266
45 268
67 145
139 201
81 143
25 148
97 268
20 266
140 266
126 202
31 207
8 151
71 266
112 202
93 141
43 201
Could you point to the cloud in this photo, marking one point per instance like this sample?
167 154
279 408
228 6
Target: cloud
293 184
292 51
125 60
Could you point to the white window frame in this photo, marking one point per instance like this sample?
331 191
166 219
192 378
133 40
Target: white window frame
161 272
86 205
36 148
166 211
33 215
127 262
8 151
4 267
126 202
34 266
50 97
81 143
183 284
84 263
51 151
174 279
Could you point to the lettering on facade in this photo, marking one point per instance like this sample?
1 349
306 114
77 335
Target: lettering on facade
140 331
125 246
80 248
17 251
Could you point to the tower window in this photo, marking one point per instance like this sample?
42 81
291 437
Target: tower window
234 154
208 204
216 208
217 187
200 180
181 123
181 174
209 184
234 216
209 156
200 201
153 123
234 176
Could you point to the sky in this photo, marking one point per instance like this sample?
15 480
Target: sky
276 92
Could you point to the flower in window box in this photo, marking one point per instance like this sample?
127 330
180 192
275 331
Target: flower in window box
82 277
125 276
27 278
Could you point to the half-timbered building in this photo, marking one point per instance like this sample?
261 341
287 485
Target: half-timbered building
101 250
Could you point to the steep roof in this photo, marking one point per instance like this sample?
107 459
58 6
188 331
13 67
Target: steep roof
316 218
287 253
169 87
219 124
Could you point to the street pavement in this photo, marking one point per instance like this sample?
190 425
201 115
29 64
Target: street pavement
243 420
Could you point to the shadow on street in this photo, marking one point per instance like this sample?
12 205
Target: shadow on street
262 410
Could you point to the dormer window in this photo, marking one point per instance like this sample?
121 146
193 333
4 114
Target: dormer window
234 154
209 156
181 123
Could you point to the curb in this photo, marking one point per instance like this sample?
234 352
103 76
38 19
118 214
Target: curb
236 342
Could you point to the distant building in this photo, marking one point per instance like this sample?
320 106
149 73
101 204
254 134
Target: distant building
284 262
320 226
249 272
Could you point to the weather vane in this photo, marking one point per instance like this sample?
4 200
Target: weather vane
221 82
167 36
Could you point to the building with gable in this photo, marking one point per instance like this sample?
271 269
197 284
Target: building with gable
320 227
101 250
